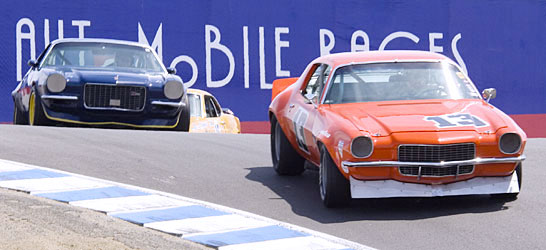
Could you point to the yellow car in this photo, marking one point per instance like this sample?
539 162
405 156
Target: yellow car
208 117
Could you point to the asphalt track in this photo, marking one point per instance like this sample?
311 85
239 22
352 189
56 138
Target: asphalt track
235 171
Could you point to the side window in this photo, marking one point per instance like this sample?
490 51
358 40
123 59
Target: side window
210 107
317 80
195 105
217 106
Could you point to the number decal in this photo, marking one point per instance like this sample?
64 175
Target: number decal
456 120
299 121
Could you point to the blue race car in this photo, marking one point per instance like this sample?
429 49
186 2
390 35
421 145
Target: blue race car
101 82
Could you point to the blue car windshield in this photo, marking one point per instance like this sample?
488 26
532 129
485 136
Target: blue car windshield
399 81
103 56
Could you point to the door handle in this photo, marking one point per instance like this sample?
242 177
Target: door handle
292 106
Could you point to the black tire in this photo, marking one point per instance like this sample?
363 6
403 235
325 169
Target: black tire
19 117
286 161
334 187
36 115
511 196
184 118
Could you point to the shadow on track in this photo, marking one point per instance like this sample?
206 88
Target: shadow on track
302 194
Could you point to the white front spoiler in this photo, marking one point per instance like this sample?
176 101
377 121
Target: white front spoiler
391 188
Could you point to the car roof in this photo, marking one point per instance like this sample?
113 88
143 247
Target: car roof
198 92
379 56
98 40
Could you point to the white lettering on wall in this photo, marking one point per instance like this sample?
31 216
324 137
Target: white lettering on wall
157 43
395 35
278 45
263 84
431 44
19 36
456 52
355 47
245 58
209 45
193 65
81 25
326 48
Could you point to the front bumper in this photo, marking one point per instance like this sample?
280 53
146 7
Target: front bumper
476 161
474 186
70 109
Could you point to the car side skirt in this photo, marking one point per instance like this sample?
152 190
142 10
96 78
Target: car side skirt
474 186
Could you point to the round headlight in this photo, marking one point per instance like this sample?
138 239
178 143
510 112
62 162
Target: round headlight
362 147
56 83
173 89
510 143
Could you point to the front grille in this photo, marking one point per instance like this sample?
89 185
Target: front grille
436 153
103 96
437 171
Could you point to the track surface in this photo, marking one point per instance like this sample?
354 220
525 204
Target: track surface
235 171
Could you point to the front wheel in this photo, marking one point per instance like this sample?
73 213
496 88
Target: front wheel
36 114
334 187
286 161
184 118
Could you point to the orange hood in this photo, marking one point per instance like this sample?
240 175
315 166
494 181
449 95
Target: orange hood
385 118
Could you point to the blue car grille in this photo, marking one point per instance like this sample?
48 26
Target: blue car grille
103 96
436 153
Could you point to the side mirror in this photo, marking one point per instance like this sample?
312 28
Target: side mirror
489 94
227 111
32 63
171 71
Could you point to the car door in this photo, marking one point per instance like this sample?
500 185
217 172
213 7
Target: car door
213 113
305 109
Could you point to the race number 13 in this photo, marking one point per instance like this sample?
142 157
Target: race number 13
456 120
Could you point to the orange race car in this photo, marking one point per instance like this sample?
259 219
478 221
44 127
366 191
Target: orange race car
394 124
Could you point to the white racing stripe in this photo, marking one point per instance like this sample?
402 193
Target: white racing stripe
212 224
35 186
123 204
297 243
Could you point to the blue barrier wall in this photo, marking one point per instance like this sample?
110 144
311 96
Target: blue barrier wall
235 49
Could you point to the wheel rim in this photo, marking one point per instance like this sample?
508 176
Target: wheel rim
277 141
322 176
31 107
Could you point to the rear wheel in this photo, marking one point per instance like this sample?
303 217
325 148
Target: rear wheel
36 115
511 196
286 161
18 116
334 187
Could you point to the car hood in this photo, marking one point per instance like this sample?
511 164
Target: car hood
385 118
97 76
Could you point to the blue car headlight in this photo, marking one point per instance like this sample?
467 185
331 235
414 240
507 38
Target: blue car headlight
173 89
56 83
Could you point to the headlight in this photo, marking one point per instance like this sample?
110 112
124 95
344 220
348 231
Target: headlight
510 143
173 89
56 83
362 147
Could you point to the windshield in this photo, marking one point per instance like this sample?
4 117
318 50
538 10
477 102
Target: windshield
104 56
399 81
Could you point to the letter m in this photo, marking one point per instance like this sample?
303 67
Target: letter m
157 43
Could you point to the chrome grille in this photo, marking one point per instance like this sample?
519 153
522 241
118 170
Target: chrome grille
436 153
104 96
437 171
